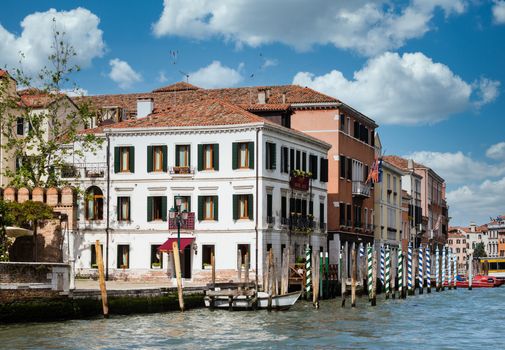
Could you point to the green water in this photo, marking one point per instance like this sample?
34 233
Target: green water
447 320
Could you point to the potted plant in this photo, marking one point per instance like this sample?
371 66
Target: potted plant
207 266
156 265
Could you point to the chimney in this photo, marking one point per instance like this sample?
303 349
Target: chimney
411 164
262 97
145 106
473 226
283 98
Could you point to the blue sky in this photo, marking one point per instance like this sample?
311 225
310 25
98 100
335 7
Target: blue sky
430 72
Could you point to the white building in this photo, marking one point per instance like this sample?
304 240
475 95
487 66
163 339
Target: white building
232 170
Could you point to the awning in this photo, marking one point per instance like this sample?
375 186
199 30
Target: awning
16 232
167 246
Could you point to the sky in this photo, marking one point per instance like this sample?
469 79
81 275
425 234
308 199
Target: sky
429 72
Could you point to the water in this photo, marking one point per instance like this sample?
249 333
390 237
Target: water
445 320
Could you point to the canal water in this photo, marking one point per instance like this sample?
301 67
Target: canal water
447 320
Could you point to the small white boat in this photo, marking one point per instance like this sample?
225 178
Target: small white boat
227 300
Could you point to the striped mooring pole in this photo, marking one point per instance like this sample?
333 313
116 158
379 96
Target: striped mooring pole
369 261
400 272
449 268
409 269
437 272
388 271
382 266
420 274
455 261
428 270
444 279
308 272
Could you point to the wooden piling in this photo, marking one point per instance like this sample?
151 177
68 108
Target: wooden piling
374 278
239 266
101 275
353 277
177 261
343 277
315 280
285 272
270 279
213 266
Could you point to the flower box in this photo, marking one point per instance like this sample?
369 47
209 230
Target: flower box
300 183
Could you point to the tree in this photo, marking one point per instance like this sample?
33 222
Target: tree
479 251
38 152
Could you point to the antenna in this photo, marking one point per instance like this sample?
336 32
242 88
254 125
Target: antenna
186 75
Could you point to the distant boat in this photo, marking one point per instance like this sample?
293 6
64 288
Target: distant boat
230 299
478 281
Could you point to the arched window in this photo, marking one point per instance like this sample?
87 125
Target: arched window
94 203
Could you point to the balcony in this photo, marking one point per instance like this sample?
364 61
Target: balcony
360 189
182 170
304 224
84 170
188 224
299 183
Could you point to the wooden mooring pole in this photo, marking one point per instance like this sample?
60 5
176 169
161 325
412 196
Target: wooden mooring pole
353 276
315 280
213 266
373 300
101 276
246 268
177 262
343 277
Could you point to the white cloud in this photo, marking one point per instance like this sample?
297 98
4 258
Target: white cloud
365 26
496 151
123 74
457 167
75 92
486 90
269 62
162 78
477 202
35 41
499 12
216 75
409 89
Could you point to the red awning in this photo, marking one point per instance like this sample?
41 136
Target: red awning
167 246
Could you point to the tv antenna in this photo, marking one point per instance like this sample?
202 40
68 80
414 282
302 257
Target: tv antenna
186 75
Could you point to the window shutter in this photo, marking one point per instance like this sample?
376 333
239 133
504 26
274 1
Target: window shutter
349 168
149 159
324 170
216 207
304 161
200 157
235 207
116 159
118 209
273 156
250 207
215 152
291 160
132 159
234 156
189 155
292 206
313 166
164 208
165 157
343 161
311 208
250 147
200 207
149 208
129 209
177 160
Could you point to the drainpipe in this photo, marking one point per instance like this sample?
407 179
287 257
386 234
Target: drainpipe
108 212
257 206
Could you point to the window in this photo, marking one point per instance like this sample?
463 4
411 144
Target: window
298 160
94 203
284 207
348 223
182 156
342 121
313 166
207 253
343 161
123 256
291 159
349 168
94 264
244 249
208 157
271 155
321 213
157 208
156 158
457 250
123 208
458 241
208 208
20 126
324 170
304 161
185 203
269 205
243 155
342 213
156 257
284 160
243 206
124 159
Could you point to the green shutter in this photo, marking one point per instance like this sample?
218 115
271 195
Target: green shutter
118 209
189 155
177 163
200 207
189 204
215 150
273 156
132 159
234 156
216 207
116 159
200 157
149 208
149 159
164 208
250 146
165 157
235 207
250 207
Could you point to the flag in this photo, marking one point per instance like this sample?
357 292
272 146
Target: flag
375 174
437 224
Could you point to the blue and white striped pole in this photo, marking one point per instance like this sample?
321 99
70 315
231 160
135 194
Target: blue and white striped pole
388 272
420 275
382 266
444 277
449 268
437 268
428 270
409 269
455 260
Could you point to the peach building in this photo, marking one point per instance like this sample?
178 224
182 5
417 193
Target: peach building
458 244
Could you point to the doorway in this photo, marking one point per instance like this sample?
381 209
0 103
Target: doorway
186 262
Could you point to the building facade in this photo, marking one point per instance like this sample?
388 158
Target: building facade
458 244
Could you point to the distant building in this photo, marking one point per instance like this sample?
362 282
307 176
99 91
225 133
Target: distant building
496 237
457 242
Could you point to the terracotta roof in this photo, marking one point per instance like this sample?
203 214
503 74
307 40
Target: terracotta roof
4 73
202 113
401 163
267 107
39 100
180 86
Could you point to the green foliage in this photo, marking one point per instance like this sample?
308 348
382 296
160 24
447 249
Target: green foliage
479 251
38 152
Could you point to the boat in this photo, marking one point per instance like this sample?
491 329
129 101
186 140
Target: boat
236 300
479 281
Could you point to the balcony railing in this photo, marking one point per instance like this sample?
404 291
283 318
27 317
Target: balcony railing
188 224
302 223
360 189
182 170
84 170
